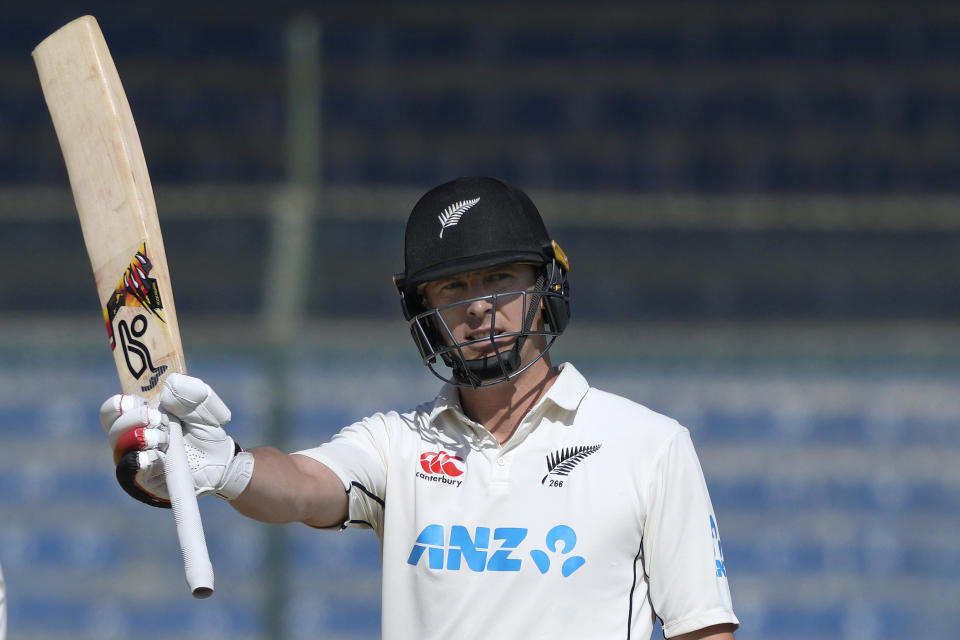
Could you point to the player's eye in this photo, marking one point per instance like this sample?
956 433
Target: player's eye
452 285
500 280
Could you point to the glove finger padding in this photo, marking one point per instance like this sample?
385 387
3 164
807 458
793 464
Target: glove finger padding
140 473
116 406
193 401
139 428
201 412
140 438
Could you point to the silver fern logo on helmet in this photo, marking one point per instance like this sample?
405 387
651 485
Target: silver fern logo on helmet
452 214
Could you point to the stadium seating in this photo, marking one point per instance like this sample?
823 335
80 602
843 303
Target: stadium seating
671 98
826 507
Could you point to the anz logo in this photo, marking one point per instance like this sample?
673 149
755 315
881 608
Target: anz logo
717 549
496 549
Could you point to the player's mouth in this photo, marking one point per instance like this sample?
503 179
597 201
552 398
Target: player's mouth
481 342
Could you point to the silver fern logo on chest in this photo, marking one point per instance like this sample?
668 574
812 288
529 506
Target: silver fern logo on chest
561 462
452 214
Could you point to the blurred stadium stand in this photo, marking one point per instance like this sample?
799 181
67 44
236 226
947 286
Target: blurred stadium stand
832 97
760 203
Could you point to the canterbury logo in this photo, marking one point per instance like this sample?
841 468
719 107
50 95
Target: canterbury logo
452 214
441 462
562 462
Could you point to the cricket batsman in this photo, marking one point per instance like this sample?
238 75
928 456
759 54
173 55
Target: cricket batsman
520 502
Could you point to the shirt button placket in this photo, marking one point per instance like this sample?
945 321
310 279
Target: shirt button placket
499 472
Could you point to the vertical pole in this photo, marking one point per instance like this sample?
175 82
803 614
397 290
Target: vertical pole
286 277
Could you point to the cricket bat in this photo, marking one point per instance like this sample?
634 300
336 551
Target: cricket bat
118 215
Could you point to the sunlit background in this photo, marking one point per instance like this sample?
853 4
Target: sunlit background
759 201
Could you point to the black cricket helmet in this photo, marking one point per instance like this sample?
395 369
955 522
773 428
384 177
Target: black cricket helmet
466 225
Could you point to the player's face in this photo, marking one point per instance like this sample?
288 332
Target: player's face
472 316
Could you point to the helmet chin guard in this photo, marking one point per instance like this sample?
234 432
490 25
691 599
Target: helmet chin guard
445 357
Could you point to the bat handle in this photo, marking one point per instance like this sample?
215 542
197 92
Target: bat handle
186 516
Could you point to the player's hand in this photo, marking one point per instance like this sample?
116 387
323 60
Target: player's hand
139 435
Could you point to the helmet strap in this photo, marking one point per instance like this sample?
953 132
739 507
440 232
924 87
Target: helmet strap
500 364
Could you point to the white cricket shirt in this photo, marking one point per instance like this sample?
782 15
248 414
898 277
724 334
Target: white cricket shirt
591 520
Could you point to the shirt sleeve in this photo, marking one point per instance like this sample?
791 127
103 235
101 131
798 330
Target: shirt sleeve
682 554
358 456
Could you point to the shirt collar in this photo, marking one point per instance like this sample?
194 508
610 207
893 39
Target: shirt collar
567 391
569 388
447 400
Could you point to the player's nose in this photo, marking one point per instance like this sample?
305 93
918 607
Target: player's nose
479 307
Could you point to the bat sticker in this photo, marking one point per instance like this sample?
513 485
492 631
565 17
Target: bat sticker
132 346
135 289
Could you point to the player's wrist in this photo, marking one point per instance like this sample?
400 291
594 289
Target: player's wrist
237 475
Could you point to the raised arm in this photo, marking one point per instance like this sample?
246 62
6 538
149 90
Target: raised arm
292 488
264 484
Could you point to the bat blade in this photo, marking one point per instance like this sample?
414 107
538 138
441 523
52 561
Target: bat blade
118 215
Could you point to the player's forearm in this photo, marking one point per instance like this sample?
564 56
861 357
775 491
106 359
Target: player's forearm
290 488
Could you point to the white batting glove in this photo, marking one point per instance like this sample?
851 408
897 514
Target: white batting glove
139 437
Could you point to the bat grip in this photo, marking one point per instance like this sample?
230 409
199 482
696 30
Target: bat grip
186 516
